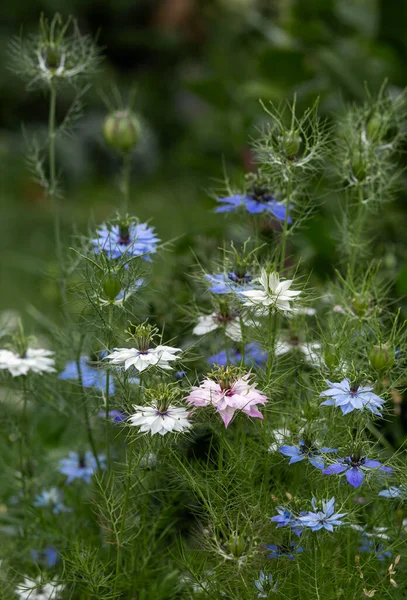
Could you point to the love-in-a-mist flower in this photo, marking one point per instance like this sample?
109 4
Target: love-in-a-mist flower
93 375
286 518
144 354
127 238
273 295
47 556
161 414
231 282
306 451
354 467
265 585
253 204
310 351
51 499
324 518
374 547
352 396
394 492
284 550
36 360
228 391
35 589
229 320
80 466
253 356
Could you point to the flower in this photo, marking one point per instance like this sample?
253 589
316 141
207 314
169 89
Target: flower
51 498
253 356
275 295
323 519
226 283
228 395
116 241
305 450
394 492
377 548
230 322
254 204
48 557
92 374
349 397
155 419
115 415
265 585
353 467
286 518
34 589
79 466
310 350
141 359
36 360
284 551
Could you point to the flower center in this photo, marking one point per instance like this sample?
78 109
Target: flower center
240 279
124 235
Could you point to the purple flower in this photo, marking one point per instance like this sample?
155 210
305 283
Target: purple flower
253 204
92 375
284 551
48 556
349 397
353 467
225 283
79 466
285 518
322 519
116 241
306 451
253 356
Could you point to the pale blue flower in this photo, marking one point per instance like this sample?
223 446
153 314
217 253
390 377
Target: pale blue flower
79 466
52 499
93 375
306 451
116 241
253 204
265 585
226 283
394 492
349 397
322 519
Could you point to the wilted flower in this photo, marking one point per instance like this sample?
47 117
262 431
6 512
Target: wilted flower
322 519
349 397
275 295
306 451
79 466
38 361
228 393
156 419
265 585
127 240
52 499
91 372
353 467
34 589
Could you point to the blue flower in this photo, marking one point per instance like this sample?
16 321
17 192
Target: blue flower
115 415
285 518
370 545
51 498
92 376
225 283
254 204
352 397
48 557
394 492
284 551
265 585
137 239
353 467
79 466
303 451
322 519
253 356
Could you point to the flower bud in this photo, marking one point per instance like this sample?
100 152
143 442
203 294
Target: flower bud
381 358
360 304
236 546
290 143
122 130
359 167
111 286
376 127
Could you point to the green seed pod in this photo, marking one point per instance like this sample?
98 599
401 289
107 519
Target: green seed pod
290 143
381 358
376 128
122 130
331 357
236 545
111 286
359 167
360 304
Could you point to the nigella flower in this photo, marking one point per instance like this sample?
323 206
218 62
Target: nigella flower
52 499
115 415
349 397
322 519
253 204
375 547
310 351
142 358
79 466
286 518
394 492
225 283
229 321
275 294
353 467
265 585
253 356
48 557
304 451
35 589
92 374
284 551
156 419
38 361
129 240
228 394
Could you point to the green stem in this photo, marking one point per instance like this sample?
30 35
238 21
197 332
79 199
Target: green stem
86 412
271 346
123 523
52 171
284 234
107 390
126 182
356 242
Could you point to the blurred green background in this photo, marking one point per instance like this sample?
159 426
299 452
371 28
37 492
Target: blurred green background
199 67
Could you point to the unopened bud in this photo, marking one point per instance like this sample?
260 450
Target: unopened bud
381 358
236 546
290 143
376 127
359 167
360 304
122 130
111 286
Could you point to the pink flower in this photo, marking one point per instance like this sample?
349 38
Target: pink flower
228 397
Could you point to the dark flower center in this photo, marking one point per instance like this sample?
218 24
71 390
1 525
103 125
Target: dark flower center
261 195
124 235
82 462
239 279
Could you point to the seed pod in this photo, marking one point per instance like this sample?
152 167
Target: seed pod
381 358
376 128
359 167
290 143
122 130
360 304
111 286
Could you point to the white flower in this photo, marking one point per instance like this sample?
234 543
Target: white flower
35 360
208 323
275 294
310 351
154 420
160 356
33 589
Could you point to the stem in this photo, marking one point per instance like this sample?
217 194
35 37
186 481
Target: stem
285 226
357 229
107 391
52 172
123 523
126 181
86 413
271 349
